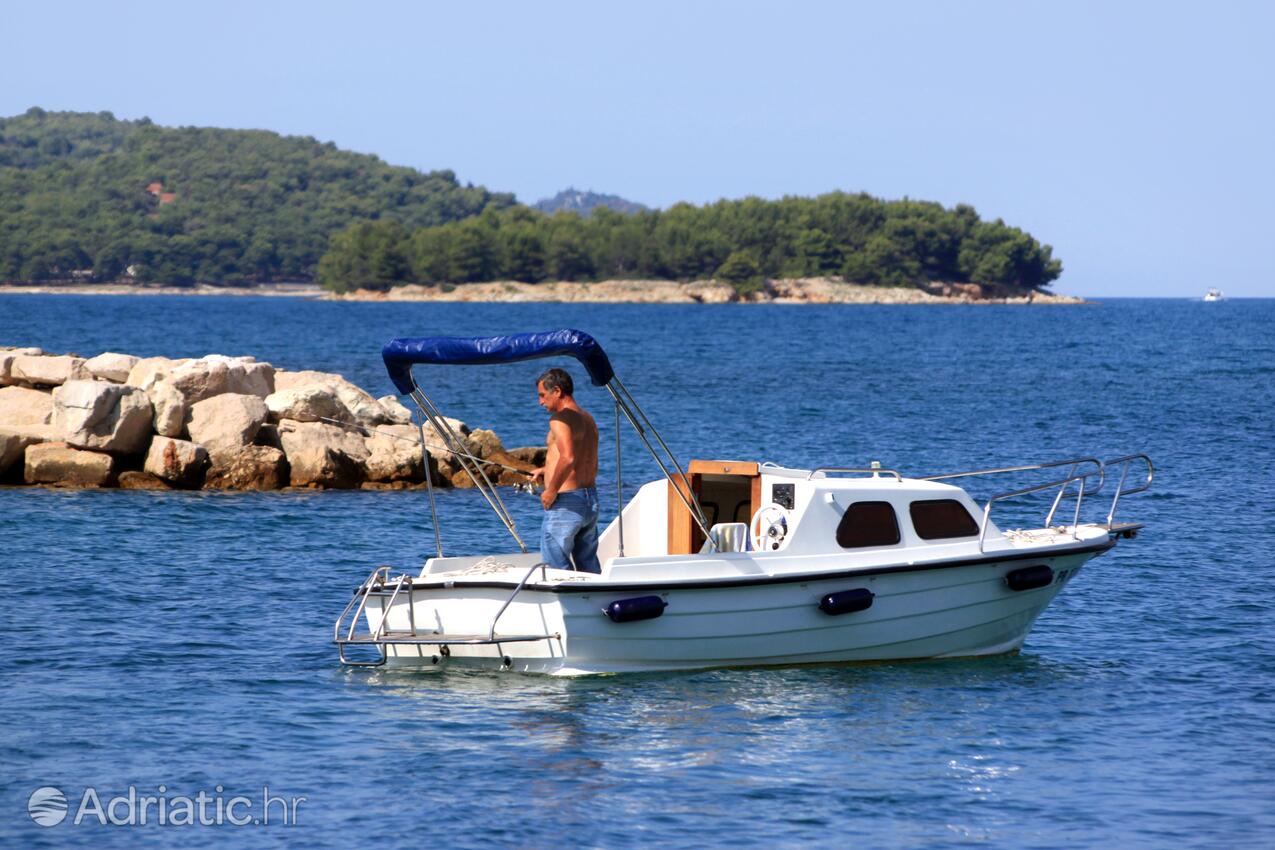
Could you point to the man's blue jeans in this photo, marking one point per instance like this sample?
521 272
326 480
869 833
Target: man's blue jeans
570 531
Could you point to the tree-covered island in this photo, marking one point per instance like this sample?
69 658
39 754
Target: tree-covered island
858 237
89 197
85 196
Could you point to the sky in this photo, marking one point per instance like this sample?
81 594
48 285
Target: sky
1138 139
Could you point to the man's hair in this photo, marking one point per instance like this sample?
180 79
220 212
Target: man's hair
557 379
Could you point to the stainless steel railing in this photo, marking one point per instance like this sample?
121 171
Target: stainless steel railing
1094 469
849 469
1053 464
542 567
379 584
1062 483
1123 463
375 581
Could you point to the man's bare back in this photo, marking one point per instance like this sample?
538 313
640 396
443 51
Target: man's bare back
582 432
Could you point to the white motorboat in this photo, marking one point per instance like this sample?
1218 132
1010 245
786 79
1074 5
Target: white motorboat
733 563
1214 294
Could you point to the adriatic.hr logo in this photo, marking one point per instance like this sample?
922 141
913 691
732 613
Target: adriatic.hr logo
48 806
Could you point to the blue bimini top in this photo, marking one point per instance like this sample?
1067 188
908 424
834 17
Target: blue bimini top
401 354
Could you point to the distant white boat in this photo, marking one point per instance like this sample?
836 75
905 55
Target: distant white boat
1214 294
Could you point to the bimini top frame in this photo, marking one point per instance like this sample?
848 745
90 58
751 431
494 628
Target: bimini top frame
401 355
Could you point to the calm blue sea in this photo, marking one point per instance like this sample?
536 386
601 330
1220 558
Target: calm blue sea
182 639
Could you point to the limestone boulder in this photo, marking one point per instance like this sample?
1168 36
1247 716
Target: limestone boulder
511 471
135 479
224 424
48 370
386 485
322 455
252 378
461 479
244 374
45 433
24 406
170 407
12 446
110 366
286 379
438 446
368 412
307 404
503 470
101 415
7 356
394 454
534 455
178 462
483 443
365 409
173 386
58 463
395 411
254 468
200 379
145 371
444 470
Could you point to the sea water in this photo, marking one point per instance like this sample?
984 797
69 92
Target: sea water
179 644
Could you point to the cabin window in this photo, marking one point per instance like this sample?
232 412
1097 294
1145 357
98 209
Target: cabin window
938 519
868 524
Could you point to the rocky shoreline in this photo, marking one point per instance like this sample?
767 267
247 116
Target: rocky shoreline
818 290
815 290
277 290
219 423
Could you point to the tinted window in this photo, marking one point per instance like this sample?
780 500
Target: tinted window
868 524
941 518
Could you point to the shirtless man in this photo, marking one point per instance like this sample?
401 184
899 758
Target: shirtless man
570 529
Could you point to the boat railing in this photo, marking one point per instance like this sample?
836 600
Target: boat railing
387 591
874 471
1052 464
1063 484
1082 471
521 584
374 584
1124 464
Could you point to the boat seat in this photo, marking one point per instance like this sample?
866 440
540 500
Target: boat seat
729 537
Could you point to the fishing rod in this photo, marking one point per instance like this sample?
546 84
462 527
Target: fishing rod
370 431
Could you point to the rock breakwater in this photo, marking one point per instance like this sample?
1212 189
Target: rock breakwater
219 423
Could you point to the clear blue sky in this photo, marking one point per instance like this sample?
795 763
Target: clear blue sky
1136 138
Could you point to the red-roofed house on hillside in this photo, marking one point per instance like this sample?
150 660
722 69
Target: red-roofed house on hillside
155 188
167 198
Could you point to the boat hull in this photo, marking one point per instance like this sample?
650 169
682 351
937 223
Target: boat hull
954 611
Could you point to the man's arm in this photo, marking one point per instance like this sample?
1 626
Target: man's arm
566 464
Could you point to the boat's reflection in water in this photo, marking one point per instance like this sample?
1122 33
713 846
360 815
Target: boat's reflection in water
939 721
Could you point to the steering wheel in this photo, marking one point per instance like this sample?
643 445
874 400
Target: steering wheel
769 527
